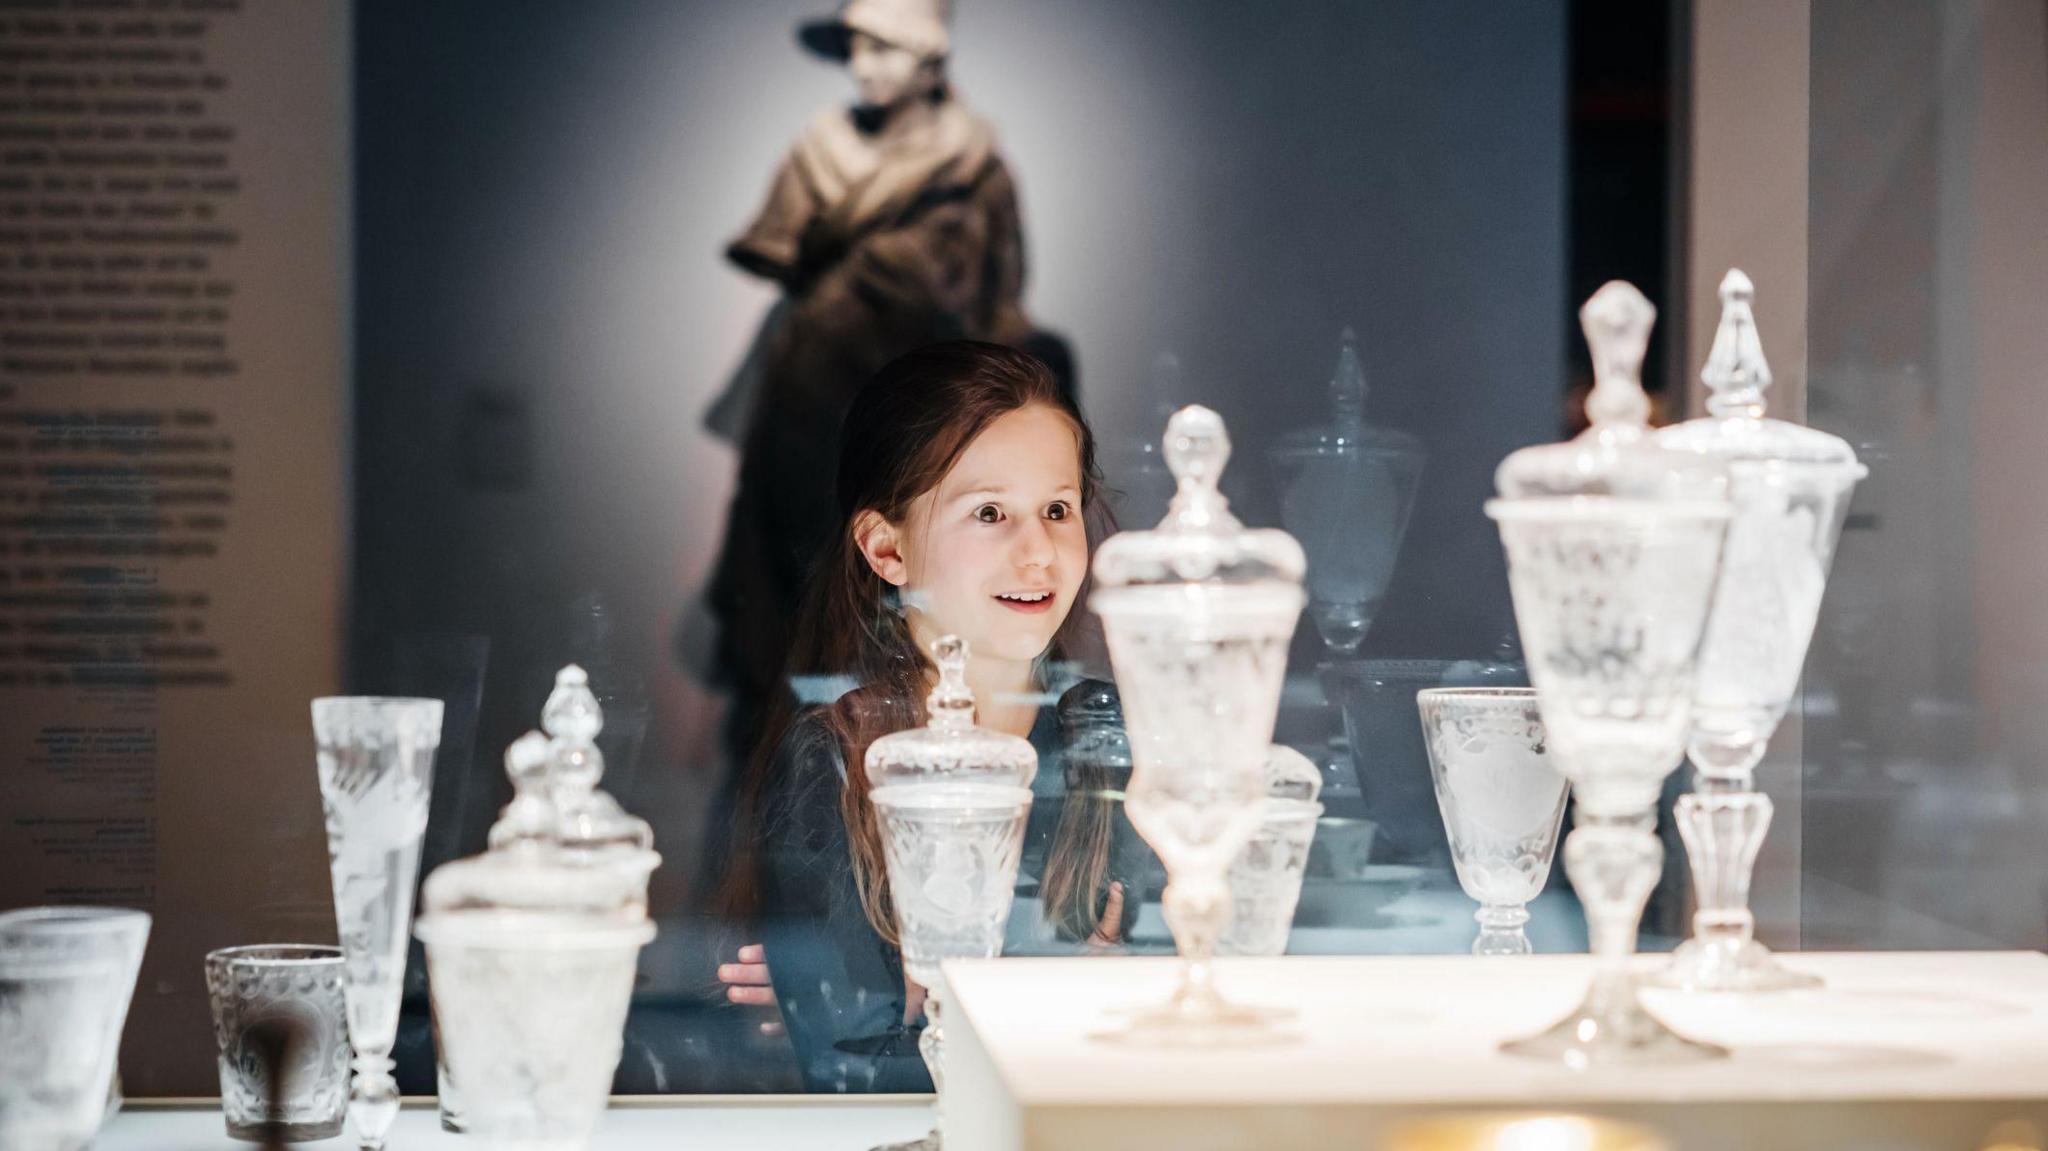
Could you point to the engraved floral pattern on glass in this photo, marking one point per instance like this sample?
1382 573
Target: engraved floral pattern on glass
952 851
1501 799
280 1022
66 977
376 762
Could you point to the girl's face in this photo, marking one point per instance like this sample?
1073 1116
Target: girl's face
996 553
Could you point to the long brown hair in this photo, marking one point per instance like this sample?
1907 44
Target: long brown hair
905 430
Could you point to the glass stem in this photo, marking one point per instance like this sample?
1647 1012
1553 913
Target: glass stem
1723 823
1500 929
932 1045
1196 907
373 1102
1614 863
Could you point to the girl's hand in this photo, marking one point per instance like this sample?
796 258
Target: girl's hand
1110 931
747 983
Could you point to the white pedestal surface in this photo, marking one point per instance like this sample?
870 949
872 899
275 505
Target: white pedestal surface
1920 1050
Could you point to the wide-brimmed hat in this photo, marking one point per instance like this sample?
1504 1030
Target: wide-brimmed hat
918 26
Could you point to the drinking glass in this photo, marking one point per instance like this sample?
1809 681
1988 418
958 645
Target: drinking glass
67 975
376 761
280 1019
1501 800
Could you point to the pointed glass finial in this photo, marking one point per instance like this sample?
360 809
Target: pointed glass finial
1197 447
1617 322
1347 390
1736 373
951 703
572 720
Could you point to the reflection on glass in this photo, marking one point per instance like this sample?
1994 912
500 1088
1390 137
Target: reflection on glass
1198 614
1791 486
1613 545
1502 802
1346 490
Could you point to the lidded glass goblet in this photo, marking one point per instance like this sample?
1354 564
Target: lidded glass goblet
952 799
1613 543
532 945
1791 486
1198 613
1346 489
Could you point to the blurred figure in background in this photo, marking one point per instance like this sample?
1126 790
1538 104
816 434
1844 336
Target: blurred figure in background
892 224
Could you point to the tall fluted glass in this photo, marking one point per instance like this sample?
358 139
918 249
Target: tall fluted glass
376 762
1502 801
67 975
952 851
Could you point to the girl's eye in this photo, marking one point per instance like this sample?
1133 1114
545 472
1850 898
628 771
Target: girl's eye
989 514
1058 510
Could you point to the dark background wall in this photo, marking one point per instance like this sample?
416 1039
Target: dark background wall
542 316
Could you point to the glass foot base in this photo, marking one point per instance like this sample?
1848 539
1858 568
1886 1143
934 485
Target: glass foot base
927 1142
1730 965
284 1132
1623 1035
1208 1023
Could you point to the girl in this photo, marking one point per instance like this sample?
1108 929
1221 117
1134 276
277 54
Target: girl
966 486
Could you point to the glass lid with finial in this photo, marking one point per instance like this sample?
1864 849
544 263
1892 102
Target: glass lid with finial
1735 427
1617 457
950 748
562 844
1199 541
1346 490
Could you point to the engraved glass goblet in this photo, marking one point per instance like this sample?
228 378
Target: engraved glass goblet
67 975
1501 799
1791 487
376 760
1198 614
952 851
1613 547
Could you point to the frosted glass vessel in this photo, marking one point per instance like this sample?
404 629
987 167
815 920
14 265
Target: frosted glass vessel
532 946
376 761
67 975
1791 486
1198 614
1501 800
1613 546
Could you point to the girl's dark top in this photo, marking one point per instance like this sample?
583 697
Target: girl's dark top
840 986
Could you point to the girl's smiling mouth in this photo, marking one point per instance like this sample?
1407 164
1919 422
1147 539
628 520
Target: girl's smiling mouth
1029 602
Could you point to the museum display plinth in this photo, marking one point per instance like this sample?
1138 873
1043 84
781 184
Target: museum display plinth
1903 1049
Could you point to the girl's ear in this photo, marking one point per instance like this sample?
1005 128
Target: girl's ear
879 544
